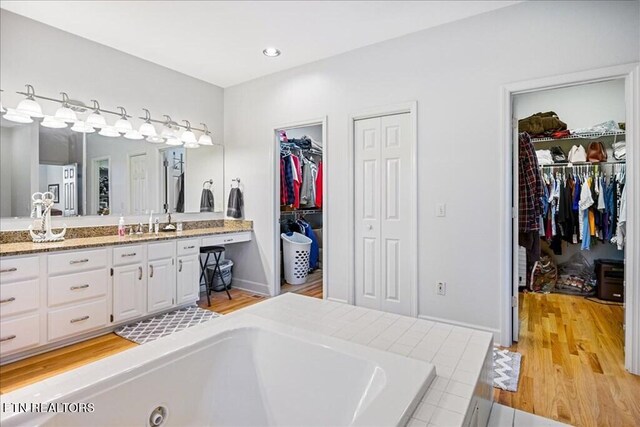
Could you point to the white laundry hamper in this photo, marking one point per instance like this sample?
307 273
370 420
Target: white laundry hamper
295 252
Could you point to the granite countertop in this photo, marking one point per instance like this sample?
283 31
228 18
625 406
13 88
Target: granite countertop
23 248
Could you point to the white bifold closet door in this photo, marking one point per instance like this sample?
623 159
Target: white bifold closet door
384 238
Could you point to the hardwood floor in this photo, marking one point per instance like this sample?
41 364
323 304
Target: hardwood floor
573 363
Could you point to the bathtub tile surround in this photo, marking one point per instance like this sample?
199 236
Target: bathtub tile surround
102 236
245 361
462 389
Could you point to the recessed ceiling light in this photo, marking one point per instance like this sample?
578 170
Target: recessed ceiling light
271 52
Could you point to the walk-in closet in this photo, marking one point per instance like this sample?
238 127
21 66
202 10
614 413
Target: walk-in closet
301 199
569 177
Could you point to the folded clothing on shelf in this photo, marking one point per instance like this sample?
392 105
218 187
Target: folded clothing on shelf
620 150
544 157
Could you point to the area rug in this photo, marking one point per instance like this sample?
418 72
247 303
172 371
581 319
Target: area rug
506 369
165 324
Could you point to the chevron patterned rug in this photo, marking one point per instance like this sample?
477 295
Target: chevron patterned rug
506 369
165 324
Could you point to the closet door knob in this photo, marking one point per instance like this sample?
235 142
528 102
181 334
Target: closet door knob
369 227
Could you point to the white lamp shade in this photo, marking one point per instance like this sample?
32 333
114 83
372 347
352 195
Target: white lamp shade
16 116
82 127
66 114
147 129
53 123
205 140
191 145
155 139
96 120
133 134
30 108
173 141
123 125
188 137
2 109
109 131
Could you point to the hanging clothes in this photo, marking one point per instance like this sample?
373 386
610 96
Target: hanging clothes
319 187
283 183
297 180
530 186
309 175
314 251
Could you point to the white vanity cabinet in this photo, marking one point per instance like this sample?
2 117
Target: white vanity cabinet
51 299
161 276
19 304
188 276
129 283
76 292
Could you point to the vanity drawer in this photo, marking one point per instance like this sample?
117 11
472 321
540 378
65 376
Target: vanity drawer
19 334
188 247
160 250
12 269
70 262
77 319
77 287
127 255
224 239
19 297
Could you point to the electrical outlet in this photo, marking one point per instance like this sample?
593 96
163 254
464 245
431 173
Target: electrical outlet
441 209
441 288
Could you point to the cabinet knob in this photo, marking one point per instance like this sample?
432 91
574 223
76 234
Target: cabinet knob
10 299
74 288
79 261
179 266
139 273
150 270
9 270
7 338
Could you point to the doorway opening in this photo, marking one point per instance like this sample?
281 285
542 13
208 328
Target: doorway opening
301 226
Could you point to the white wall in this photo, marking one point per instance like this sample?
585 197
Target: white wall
577 106
455 72
54 61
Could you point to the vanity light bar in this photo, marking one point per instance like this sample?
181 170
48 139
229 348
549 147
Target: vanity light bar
173 124
122 113
72 103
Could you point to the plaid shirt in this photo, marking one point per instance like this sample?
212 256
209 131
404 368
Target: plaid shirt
529 186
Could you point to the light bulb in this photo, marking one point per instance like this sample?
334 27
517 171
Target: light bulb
155 139
205 139
109 131
53 123
96 120
16 116
147 129
191 145
30 107
82 127
133 134
66 114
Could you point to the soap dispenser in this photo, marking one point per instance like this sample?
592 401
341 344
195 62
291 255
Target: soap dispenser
121 227
151 222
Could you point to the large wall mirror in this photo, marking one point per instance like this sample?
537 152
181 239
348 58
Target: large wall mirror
92 174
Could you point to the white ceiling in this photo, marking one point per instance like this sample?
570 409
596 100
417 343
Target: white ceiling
221 42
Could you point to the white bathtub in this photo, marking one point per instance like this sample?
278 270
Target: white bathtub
239 370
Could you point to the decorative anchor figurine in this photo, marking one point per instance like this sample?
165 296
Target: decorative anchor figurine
41 212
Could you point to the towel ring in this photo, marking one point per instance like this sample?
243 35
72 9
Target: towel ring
237 181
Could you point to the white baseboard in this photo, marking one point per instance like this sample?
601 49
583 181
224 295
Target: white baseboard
495 332
343 301
248 285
